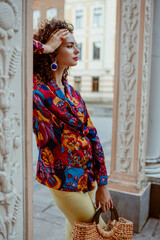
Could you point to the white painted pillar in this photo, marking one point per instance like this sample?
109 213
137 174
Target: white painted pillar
16 120
153 145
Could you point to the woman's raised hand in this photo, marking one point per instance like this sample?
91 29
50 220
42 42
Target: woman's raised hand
55 40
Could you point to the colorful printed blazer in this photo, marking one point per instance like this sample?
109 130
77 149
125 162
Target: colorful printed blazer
70 153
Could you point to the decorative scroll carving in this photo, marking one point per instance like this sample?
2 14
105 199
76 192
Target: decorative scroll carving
145 80
10 199
128 70
2 228
14 63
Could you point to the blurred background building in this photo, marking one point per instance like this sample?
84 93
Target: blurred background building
47 9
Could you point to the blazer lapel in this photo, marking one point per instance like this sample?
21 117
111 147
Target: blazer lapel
72 103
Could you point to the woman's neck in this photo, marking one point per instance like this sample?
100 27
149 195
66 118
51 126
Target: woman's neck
58 76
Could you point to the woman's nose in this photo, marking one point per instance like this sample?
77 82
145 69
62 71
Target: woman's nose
77 50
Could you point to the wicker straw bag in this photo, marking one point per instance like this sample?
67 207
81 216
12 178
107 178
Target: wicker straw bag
116 229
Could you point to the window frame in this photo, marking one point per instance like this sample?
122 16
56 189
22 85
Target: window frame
77 82
95 16
93 50
94 78
37 19
54 16
81 18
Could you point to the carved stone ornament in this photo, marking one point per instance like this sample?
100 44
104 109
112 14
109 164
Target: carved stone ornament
127 83
9 21
145 81
10 199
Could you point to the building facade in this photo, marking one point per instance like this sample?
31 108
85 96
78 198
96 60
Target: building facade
47 10
94 30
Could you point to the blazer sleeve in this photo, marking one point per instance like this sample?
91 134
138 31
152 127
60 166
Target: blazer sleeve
97 150
43 121
37 47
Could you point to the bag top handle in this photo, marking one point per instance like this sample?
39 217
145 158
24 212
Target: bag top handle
114 215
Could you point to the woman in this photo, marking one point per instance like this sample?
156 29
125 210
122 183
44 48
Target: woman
71 158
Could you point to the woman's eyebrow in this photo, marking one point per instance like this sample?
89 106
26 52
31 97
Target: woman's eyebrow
71 43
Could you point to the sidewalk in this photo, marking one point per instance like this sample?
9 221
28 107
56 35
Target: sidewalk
49 222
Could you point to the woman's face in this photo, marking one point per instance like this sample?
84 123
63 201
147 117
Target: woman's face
67 52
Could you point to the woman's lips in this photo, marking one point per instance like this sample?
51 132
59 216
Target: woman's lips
76 58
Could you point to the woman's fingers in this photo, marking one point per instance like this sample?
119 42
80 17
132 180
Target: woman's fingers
97 204
104 198
103 206
111 203
106 206
59 36
62 36
61 31
55 40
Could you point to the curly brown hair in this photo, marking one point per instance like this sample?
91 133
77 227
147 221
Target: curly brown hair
42 62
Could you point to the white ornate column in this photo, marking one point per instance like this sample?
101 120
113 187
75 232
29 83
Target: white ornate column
153 145
133 53
15 118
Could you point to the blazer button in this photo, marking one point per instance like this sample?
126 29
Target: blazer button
69 150
69 167
84 167
83 138
85 151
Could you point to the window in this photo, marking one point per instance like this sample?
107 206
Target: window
97 17
79 46
77 81
36 18
51 13
96 50
95 84
79 17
